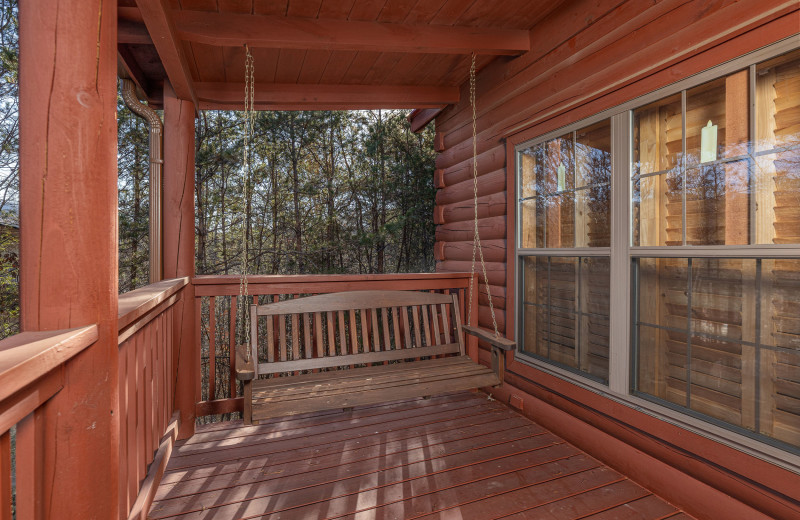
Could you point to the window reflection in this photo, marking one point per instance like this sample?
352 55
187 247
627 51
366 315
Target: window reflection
565 187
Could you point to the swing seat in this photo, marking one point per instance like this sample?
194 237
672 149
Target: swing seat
339 350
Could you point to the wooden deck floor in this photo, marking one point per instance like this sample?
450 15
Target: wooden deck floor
459 456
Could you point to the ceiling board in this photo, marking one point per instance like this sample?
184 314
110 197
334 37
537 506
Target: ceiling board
424 11
450 11
366 10
289 63
313 66
304 8
336 9
235 6
395 11
337 67
271 7
374 62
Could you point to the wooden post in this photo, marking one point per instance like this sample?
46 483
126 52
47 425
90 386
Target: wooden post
69 448
179 247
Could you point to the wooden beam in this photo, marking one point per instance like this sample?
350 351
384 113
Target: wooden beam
420 118
128 68
235 30
277 96
132 33
159 24
179 148
147 492
68 449
27 356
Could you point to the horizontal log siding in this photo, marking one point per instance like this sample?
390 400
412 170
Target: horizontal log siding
590 57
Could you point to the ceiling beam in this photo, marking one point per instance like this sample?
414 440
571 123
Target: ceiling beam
132 33
236 30
157 18
420 118
128 68
275 96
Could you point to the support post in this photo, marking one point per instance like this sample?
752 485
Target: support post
69 448
178 214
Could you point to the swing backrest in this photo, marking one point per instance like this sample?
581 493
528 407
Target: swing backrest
354 328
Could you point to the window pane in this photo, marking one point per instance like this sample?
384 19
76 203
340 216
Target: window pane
593 178
658 136
657 182
778 103
565 190
565 312
717 120
657 210
706 201
721 337
777 168
780 362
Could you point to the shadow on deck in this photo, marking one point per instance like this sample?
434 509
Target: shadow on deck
459 456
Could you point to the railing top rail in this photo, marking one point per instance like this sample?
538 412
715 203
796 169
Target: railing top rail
137 303
315 278
27 356
353 300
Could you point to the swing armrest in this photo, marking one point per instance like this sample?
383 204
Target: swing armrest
496 342
245 370
499 344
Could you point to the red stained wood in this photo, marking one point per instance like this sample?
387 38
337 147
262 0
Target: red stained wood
5 475
155 472
489 183
491 228
236 30
68 208
493 251
15 407
160 25
179 252
679 488
431 460
420 118
314 96
26 357
588 42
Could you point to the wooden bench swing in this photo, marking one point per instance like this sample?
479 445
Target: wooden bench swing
391 344
357 348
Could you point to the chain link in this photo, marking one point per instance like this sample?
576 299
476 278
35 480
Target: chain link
249 123
476 243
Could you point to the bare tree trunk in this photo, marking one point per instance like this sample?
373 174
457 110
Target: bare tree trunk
298 229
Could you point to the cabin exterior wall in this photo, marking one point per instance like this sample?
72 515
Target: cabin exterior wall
621 51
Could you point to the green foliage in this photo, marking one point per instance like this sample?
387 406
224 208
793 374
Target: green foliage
9 169
134 204
9 275
330 192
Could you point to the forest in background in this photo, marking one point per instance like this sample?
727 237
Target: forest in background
330 192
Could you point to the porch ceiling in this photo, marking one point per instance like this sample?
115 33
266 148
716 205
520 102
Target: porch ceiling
319 54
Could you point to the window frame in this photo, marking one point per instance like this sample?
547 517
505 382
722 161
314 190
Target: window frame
622 254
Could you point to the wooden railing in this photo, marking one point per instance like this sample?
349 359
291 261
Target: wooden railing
147 379
31 372
219 392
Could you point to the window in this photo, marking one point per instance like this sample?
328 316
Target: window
706 286
565 231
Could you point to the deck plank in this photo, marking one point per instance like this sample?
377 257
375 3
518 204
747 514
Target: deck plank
459 455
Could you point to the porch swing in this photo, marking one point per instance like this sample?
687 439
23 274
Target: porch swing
340 350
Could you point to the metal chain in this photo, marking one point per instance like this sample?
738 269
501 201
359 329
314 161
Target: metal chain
249 122
476 243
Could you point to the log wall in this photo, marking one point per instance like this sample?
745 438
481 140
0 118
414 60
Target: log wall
589 56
